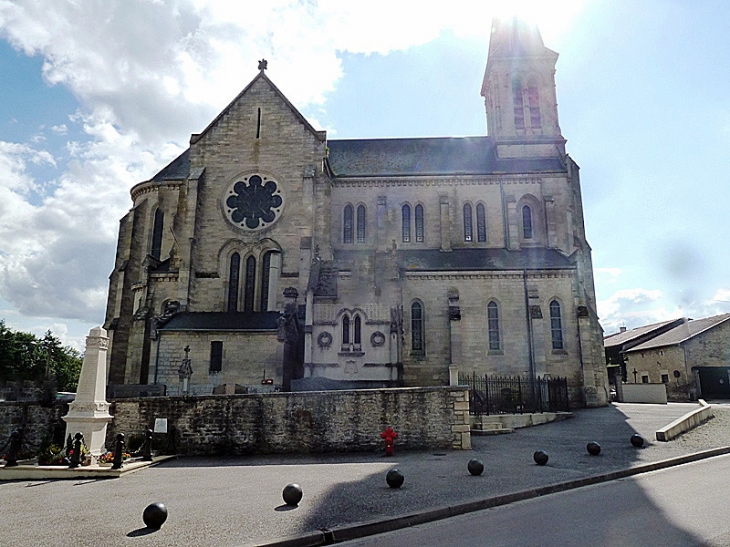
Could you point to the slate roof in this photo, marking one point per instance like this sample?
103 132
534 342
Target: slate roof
484 259
621 338
682 333
427 156
223 321
177 169
473 259
406 157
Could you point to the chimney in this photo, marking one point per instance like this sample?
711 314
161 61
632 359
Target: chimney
622 329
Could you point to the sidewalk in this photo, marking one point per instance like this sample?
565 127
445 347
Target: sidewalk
237 501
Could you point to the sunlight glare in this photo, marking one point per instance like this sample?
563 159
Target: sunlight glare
551 17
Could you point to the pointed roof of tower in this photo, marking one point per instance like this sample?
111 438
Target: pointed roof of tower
514 37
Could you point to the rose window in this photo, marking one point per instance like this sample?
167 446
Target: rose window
253 202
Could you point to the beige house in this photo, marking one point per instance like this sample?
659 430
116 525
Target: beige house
692 359
401 259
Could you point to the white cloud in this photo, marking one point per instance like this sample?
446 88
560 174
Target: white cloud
60 129
607 275
633 308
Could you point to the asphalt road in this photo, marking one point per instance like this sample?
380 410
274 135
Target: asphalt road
682 506
237 501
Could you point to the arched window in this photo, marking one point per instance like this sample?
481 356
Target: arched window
556 325
527 222
419 223
157 225
493 325
265 280
406 223
481 223
361 224
345 330
519 108
250 287
468 235
357 334
533 103
233 280
347 225
417 332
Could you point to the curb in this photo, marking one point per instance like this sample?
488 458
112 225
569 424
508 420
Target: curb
47 472
356 531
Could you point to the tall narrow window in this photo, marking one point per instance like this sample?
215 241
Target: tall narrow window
417 341
357 331
481 224
519 108
157 234
468 236
233 280
493 325
556 325
250 287
527 222
265 275
533 103
347 224
345 330
419 223
361 224
406 223
258 125
216 356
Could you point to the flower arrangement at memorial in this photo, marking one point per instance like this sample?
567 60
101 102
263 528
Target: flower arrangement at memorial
108 457
52 455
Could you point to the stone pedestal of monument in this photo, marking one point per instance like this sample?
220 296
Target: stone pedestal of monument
89 413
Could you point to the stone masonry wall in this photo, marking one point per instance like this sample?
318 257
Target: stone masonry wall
36 422
332 421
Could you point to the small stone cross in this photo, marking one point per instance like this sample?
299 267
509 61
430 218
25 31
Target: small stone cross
263 64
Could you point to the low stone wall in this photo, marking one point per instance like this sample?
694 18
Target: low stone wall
324 421
642 393
686 422
36 421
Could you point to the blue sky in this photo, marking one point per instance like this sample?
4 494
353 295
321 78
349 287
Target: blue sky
96 97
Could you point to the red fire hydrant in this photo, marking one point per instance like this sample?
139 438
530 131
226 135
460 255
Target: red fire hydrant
389 435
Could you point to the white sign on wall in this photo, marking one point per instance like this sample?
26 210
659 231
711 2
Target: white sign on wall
160 425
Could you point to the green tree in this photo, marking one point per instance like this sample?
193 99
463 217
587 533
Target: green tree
23 356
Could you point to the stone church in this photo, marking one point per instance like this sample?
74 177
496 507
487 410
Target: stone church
269 257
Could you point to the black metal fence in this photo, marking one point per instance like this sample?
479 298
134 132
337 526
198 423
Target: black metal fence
515 395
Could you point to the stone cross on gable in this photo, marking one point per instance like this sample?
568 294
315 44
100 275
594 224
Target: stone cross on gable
263 64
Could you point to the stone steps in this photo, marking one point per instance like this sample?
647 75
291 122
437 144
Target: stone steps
490 428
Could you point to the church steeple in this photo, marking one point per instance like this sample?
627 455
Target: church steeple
519 89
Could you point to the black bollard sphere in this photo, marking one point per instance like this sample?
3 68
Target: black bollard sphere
292 494
637 440
155 515
475 467
594 449
394 478
540 457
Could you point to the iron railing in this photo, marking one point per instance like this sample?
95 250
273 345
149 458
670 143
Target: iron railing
515 395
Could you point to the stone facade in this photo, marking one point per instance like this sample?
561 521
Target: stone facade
407 256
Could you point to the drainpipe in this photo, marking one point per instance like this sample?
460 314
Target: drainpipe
157 355
687 373
529 331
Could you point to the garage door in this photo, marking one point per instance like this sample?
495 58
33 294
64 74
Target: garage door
714 382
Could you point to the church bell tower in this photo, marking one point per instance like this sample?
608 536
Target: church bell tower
519 92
